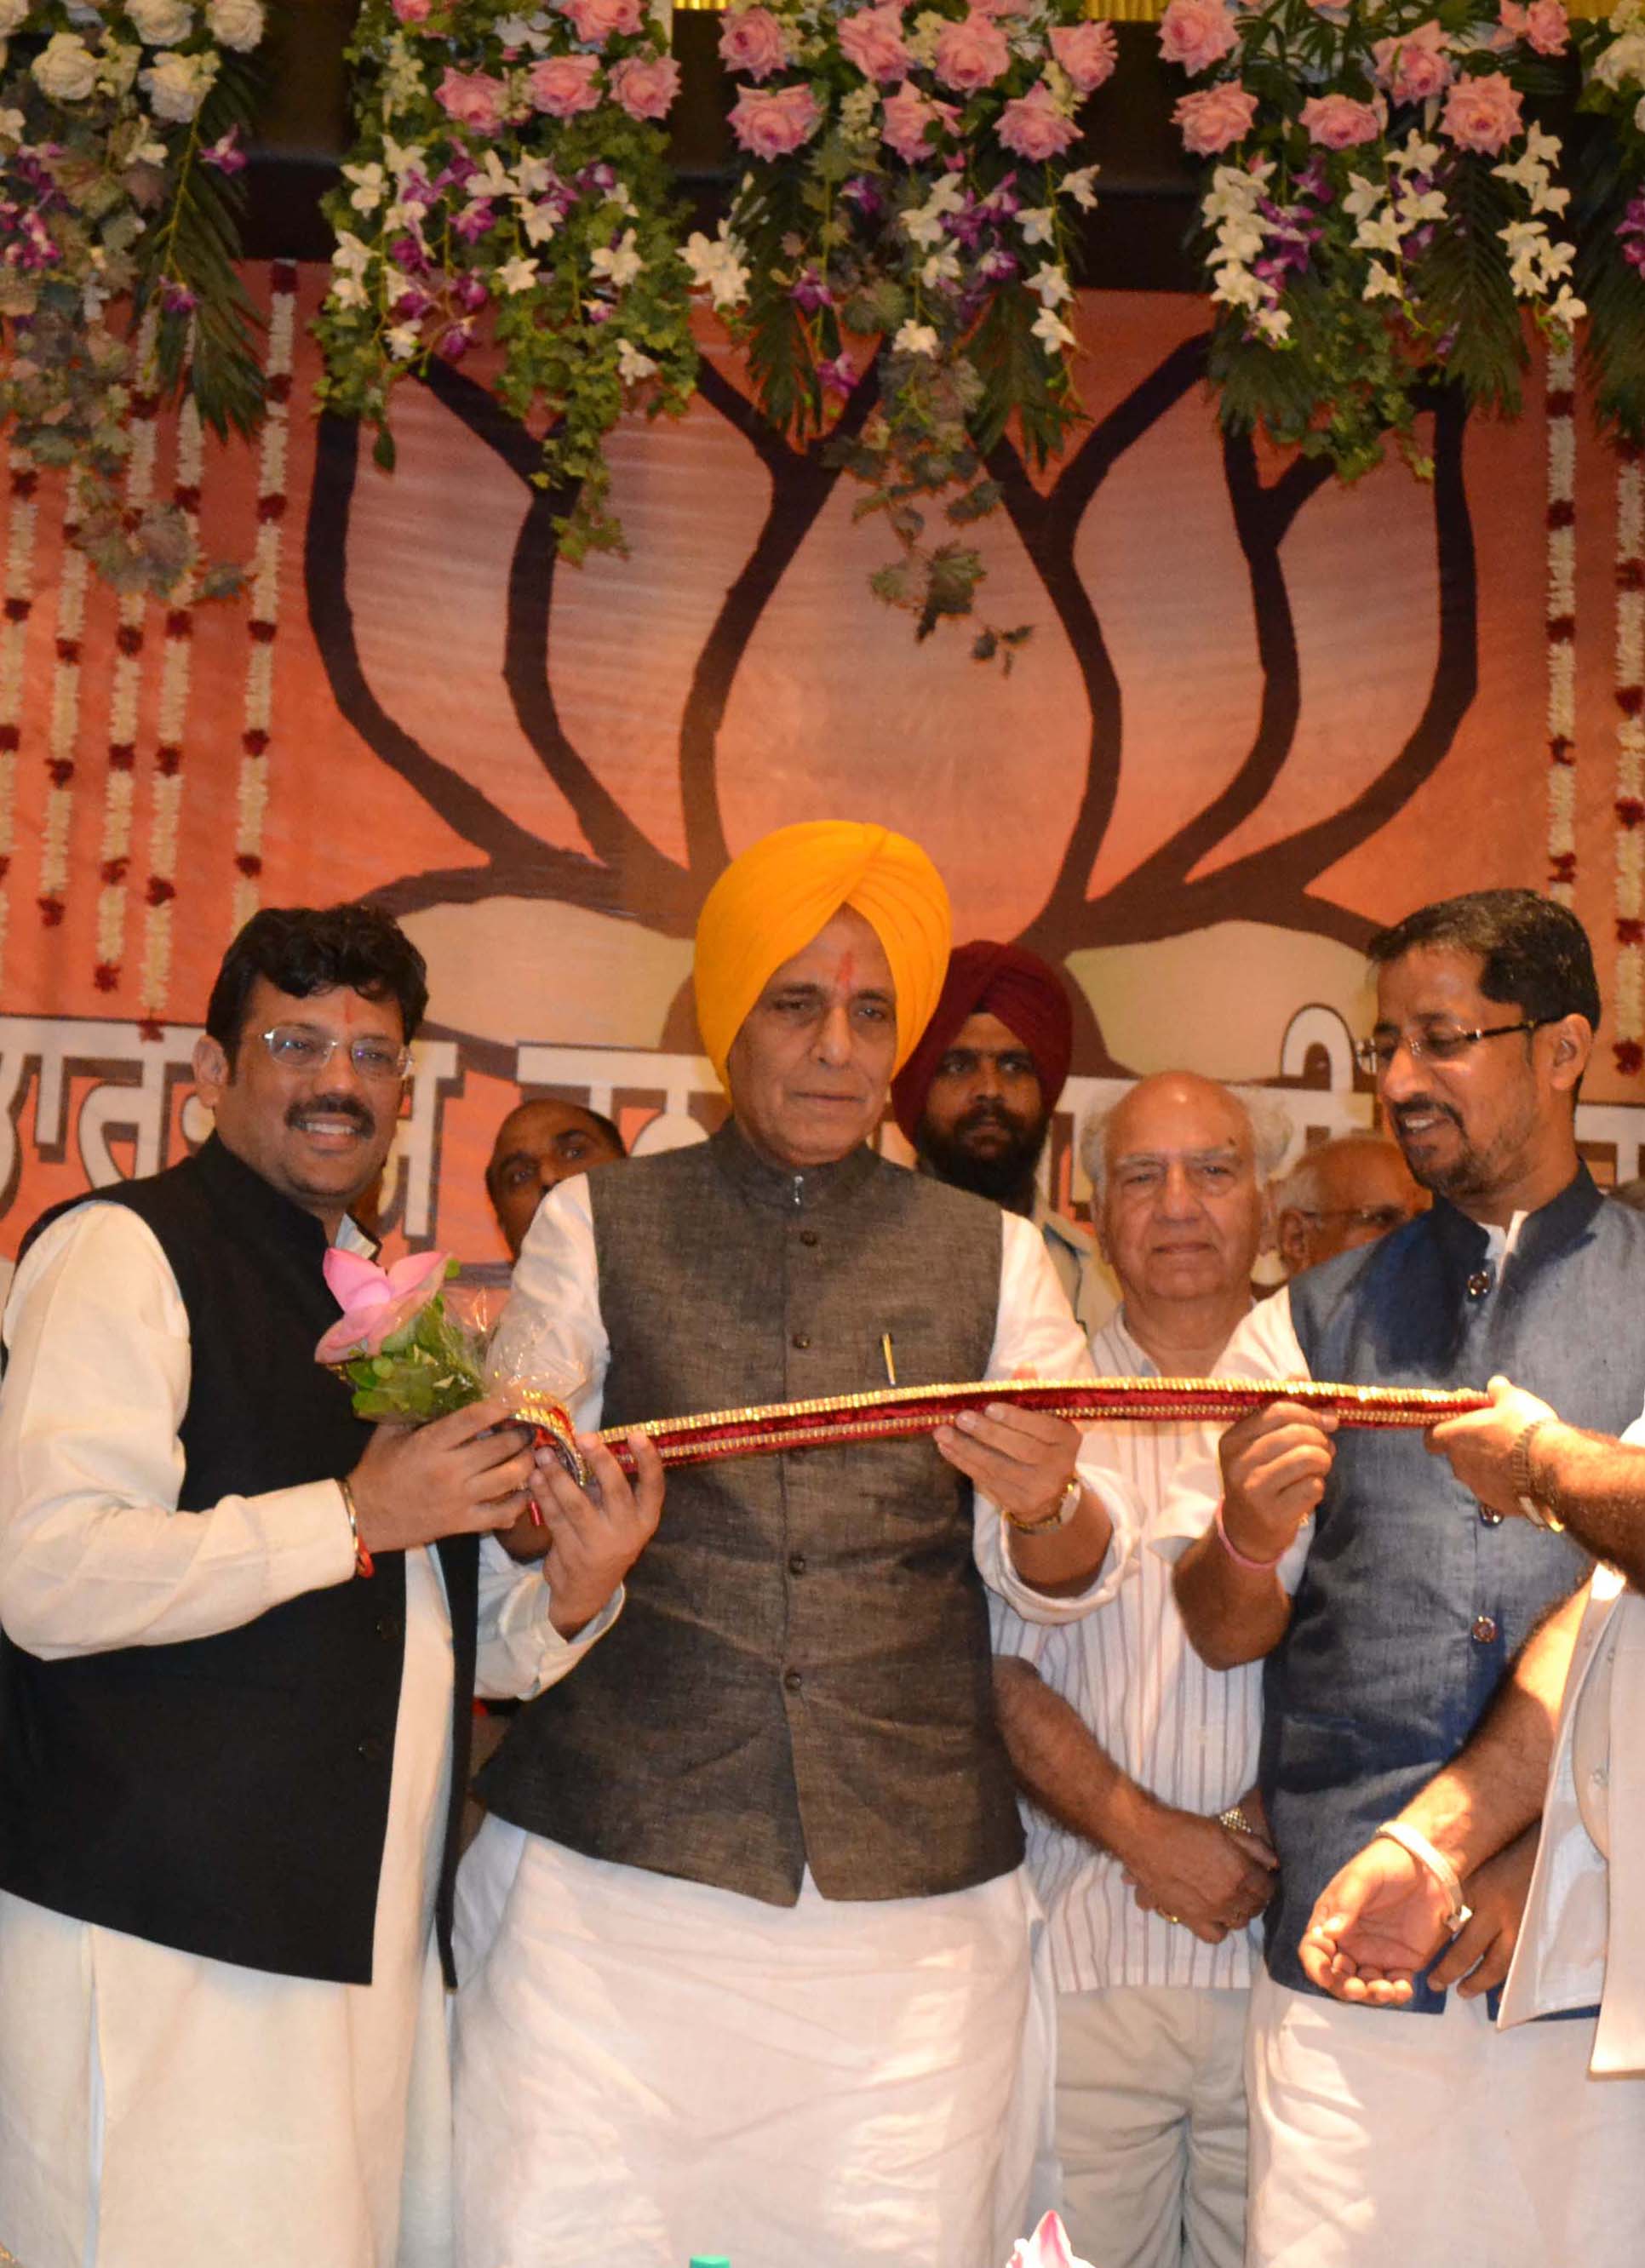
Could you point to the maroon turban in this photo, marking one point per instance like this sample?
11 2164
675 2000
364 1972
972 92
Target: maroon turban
1027 994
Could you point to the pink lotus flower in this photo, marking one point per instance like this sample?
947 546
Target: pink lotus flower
1195 32
1047 2248
646 85
906 116
1337 121
596 21
1213 118
376 1302
1482 112
412 11
751 42
1415 66
972 53
563 85
1034 127
772 121
474 100
1087 52
872 39
1544 25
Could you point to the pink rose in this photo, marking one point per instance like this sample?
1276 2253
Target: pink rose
1415 66
907 115
1213 118
1337 121
596 21
1544 25
1194 33
412 11
872 39
646 85
1482 112
475 100
972 53
771 122
563 85
1087 52
751 42
376 1302
1034 127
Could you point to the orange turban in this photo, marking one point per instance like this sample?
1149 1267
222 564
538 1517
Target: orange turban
770 902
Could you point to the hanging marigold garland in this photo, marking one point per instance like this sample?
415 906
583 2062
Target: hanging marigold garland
1629 1047
262 629
1561 622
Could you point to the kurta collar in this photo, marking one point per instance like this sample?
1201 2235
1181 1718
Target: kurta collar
1554 1228
757 1182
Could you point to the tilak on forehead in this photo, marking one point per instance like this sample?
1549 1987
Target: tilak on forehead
771 901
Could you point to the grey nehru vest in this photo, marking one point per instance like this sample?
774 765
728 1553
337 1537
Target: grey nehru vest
802 1674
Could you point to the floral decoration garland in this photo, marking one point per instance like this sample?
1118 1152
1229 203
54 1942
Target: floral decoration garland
1612 202
1381 210
119 128
931 209
513 166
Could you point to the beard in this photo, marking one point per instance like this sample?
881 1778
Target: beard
1004 1174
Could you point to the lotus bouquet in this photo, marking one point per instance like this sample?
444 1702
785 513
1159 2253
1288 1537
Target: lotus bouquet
411 1355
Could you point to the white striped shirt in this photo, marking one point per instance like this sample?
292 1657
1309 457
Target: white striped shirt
1186 1733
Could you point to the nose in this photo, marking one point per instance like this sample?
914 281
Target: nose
1402 1076
1178 1196
832 1044
985 1080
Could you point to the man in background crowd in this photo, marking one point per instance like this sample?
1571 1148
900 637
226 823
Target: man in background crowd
977 1096
1390 1602
539 1145
1138 1756
1341 1194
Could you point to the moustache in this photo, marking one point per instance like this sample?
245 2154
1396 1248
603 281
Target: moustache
988 1113
333 1106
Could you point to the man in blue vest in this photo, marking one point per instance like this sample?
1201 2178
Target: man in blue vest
1389 1603
237 1670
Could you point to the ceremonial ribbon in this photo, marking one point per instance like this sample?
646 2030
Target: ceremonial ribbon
896 1412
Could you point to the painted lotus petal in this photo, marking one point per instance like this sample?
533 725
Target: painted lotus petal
353 1281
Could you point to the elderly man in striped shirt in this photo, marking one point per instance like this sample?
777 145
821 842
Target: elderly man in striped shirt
1145 1842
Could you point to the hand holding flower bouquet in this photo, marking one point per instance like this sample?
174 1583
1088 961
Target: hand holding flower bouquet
411 1356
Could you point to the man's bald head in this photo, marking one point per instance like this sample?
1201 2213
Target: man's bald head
1178 1167
1341 1194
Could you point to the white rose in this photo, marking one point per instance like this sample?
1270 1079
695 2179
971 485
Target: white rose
160 23
235 24
176 85
65 69
12 15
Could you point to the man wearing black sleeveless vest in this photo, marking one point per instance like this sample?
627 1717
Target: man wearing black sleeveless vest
230 1766
1421 2133
744 1943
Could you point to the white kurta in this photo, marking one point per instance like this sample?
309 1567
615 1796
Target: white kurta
157 2110
672 2068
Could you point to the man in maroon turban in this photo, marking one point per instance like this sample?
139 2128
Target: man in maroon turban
976 1096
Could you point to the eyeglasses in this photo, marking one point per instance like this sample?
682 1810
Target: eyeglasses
1381 1217
295 1049
1440 1043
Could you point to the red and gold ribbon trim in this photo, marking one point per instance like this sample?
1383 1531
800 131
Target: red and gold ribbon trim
895 1412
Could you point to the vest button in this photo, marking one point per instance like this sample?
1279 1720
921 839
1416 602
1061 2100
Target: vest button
1484 1630
796 1562
808 1236
372 1748
1489 1519
1479 1283
388 1628
792 1679
802 1339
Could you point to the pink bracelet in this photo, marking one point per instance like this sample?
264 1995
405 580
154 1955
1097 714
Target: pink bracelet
1242 1558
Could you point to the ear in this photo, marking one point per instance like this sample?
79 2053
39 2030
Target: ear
212 1070
1292 1238
1572 1043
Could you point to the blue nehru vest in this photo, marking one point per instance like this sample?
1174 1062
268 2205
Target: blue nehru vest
1414 1599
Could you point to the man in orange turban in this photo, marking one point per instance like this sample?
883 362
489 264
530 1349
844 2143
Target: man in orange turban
746 1929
